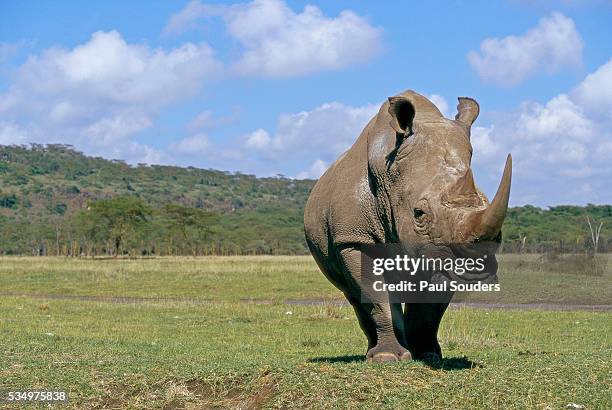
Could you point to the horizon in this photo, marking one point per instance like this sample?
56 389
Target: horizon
283 87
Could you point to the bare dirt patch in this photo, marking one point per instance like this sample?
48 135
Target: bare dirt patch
327 303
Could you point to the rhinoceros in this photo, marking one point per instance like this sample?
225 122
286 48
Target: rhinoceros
406 179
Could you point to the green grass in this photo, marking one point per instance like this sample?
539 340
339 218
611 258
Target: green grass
566 279
210 347
218 278
523 278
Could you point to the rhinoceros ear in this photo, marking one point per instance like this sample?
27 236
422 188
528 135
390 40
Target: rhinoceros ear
402 114
467 111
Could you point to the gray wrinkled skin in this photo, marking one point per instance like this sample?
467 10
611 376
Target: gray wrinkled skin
406 179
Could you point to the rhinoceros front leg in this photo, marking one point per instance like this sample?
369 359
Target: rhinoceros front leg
381 322
422 321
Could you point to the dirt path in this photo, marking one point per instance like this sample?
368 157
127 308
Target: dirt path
540 306
109 299
305 302
521 306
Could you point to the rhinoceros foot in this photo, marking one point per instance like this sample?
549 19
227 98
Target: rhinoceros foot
383 353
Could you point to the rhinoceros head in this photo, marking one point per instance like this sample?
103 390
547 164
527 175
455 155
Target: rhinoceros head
420 171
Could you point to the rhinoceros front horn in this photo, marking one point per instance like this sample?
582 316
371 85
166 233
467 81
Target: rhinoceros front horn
487 224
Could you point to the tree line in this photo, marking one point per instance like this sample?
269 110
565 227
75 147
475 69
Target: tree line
128 226
116 226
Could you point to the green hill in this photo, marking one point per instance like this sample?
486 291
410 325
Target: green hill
47 194
43 188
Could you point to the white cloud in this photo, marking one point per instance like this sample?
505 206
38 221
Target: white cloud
558 118
325 131
316 169
11 133
7 101
259 139
64 112
441 103
135 153
108 69
594 91
279 42
544 138
187 18
482 142
201 121
604 151
207 120
317 137
108 131
577 173
196 144
101 93
551 45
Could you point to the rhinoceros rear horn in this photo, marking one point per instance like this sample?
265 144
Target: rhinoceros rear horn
467 111
402 114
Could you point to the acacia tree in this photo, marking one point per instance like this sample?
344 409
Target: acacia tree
114 220
192 224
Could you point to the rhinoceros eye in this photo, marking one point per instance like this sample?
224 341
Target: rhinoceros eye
418 213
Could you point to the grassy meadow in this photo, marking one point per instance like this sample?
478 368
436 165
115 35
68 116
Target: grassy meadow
218 332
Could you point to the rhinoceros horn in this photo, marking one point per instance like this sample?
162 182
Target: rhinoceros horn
467 111
486 224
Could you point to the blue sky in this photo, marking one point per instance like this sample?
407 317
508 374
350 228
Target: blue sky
283 87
